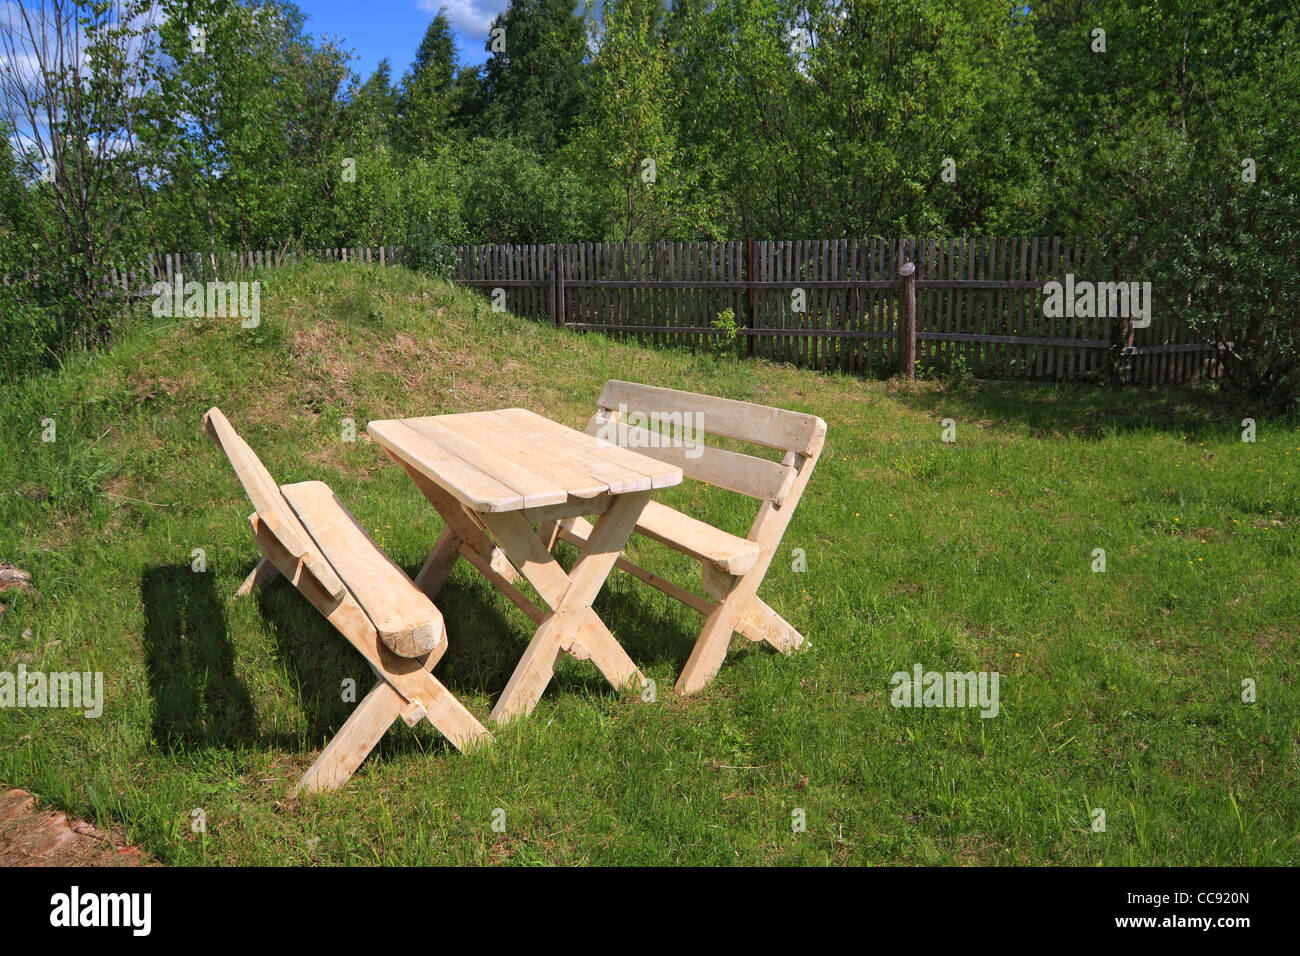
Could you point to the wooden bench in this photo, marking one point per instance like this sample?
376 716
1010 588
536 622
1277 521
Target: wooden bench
732 567
307 535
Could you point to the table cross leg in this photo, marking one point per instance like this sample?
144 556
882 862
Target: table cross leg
572 620
463 528
439 563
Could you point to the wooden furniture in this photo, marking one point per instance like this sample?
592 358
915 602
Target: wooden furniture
306 534
491 475
732 567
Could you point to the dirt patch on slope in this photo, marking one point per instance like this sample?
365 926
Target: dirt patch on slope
30 836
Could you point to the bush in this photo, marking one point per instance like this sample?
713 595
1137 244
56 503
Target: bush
427 250
1195 190
430 191
512 195
30 334
723 343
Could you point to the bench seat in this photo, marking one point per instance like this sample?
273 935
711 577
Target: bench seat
308 536
407 621
729 553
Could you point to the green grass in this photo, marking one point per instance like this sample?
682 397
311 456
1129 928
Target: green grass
1119 690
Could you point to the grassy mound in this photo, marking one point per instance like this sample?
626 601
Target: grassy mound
1119 691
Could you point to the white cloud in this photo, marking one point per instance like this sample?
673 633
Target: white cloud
472 19
21 143
26 43
26 67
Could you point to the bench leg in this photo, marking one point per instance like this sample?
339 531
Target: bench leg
439 564
710 648
354 741
407 689
736 611
378 711
760 623
263 574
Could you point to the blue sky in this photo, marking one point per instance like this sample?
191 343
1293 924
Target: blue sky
394 28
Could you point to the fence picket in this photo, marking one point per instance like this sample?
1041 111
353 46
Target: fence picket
979 300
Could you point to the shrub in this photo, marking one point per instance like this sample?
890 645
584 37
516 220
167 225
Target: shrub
723 342
30 333
427 250
512 195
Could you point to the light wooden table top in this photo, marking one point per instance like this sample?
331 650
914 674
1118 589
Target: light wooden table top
514 459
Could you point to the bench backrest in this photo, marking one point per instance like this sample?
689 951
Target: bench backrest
273 512
626 408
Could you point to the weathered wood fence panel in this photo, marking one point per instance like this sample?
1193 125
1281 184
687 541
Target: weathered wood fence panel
976 304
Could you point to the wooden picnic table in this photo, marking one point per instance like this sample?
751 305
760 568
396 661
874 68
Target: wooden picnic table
492 475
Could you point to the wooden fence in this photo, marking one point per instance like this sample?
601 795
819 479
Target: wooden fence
862 305
136 283
973 304
198 265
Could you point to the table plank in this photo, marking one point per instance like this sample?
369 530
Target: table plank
585 476
506 442
479 491
516 460
536 490
658 474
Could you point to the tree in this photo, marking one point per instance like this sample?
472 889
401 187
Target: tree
825 118
627 146
510 193
425 104
373 105
29 330
74 78
186 135
1177 151
533 84
249 115
470 100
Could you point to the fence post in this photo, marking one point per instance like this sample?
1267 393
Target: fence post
552 305
751 321
907 318
559 287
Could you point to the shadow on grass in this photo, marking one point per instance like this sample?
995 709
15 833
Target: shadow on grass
487 636
198 699
483 647
651 633
199 702
1087 411
318 658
